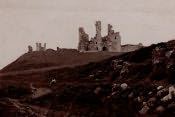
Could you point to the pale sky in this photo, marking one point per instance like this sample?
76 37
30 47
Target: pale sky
56 22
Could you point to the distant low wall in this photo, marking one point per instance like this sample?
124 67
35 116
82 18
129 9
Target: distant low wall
129 48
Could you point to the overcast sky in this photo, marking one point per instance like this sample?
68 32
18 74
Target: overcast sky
56 22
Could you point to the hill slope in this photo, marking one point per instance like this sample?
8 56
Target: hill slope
52 58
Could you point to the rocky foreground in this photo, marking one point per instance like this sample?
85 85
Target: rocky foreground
139 83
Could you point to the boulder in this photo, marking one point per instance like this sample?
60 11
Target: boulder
159 87
171 106
160 109
151 102
124 86
131 95
41 92
144 110
97 90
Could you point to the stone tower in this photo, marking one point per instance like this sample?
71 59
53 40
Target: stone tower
30 49
44 46
98 35
37 46
40 46
83 40
114 42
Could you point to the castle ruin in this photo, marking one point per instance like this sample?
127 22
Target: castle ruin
30 49
111 42
39 47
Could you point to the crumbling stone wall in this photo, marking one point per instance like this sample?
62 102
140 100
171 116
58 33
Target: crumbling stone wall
92 45
129 48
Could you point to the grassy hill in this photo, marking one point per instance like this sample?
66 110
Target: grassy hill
52 58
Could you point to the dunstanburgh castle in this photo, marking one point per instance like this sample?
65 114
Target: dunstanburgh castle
111 42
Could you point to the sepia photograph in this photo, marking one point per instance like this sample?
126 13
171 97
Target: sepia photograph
87 58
